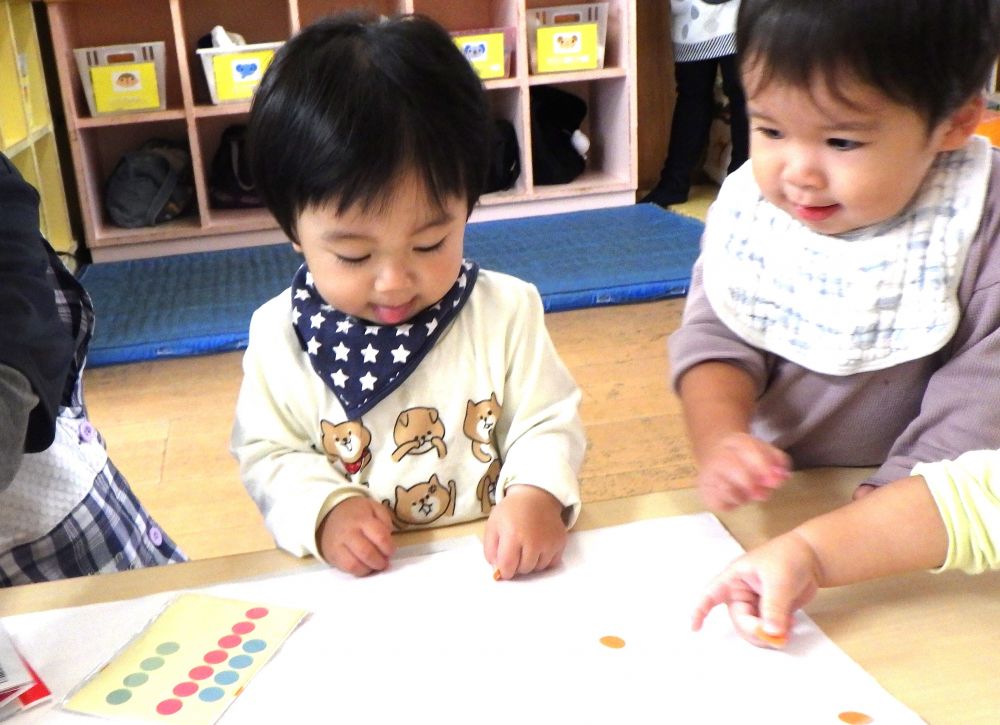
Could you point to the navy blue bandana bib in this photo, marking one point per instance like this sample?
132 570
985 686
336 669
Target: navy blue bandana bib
362 362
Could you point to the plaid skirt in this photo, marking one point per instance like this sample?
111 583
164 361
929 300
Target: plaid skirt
108 531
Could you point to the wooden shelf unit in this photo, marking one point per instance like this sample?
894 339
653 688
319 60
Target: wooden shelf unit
98 142
26 130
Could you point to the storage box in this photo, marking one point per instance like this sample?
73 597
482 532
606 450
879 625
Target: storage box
233 74
488 50
567 37
122 78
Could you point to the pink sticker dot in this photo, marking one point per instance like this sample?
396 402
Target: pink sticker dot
256 613
169 707
215 657
185 688
200 673
243 627
230 641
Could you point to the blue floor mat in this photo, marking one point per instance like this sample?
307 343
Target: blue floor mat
193 304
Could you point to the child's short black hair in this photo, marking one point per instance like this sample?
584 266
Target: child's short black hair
929 55
354 101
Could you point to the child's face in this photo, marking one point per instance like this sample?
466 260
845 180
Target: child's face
387 265
838 163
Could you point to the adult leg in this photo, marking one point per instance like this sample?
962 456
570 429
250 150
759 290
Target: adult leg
739 127
689 128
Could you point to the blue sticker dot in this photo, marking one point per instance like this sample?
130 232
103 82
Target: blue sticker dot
227 677
211 694
254 645
167 648
240 661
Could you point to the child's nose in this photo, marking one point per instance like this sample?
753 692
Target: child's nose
803 171
392 276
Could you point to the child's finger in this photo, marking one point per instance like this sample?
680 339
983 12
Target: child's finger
379 535
367 553
718 593
381 513
508 559
491 542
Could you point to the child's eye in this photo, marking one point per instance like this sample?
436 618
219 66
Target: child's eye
843 144
353 260
771 133
431 248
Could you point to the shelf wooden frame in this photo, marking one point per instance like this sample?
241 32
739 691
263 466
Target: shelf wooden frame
96 143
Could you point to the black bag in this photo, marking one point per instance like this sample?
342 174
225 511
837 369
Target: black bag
150 185
555 115
505 159
230 185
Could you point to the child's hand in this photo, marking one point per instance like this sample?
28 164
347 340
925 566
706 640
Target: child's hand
525 532
763 588
740 468
356 536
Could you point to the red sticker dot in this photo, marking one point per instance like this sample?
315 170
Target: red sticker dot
215 657
243 627
200 673
169 707
230 641
256 613
185 688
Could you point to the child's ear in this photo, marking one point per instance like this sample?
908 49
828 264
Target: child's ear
961 124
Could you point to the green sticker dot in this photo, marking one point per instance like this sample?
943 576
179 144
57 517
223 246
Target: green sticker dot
151 663
167 648
135 679
117 697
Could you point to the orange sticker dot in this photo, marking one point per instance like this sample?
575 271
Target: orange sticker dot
613 642
855 718
773 640
497 576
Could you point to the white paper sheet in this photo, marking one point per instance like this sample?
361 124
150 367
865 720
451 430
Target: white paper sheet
436 639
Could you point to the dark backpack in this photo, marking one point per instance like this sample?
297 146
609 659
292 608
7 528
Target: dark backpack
230 185
555 115
505 159
150 185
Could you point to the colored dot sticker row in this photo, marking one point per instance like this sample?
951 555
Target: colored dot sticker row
201 673
137 679
205 683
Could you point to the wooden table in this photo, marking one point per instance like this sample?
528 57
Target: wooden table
933 641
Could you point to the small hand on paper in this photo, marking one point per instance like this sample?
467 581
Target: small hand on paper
739 468
525 532
763 588
356 536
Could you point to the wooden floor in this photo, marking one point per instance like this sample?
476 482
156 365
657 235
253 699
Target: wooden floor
167 424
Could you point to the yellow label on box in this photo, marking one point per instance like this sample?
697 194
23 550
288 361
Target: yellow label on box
485 52
125 87
566 47
238 74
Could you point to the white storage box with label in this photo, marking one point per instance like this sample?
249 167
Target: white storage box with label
122 78
233 74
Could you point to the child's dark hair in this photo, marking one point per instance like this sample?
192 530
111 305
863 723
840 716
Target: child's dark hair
354 101
930 55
